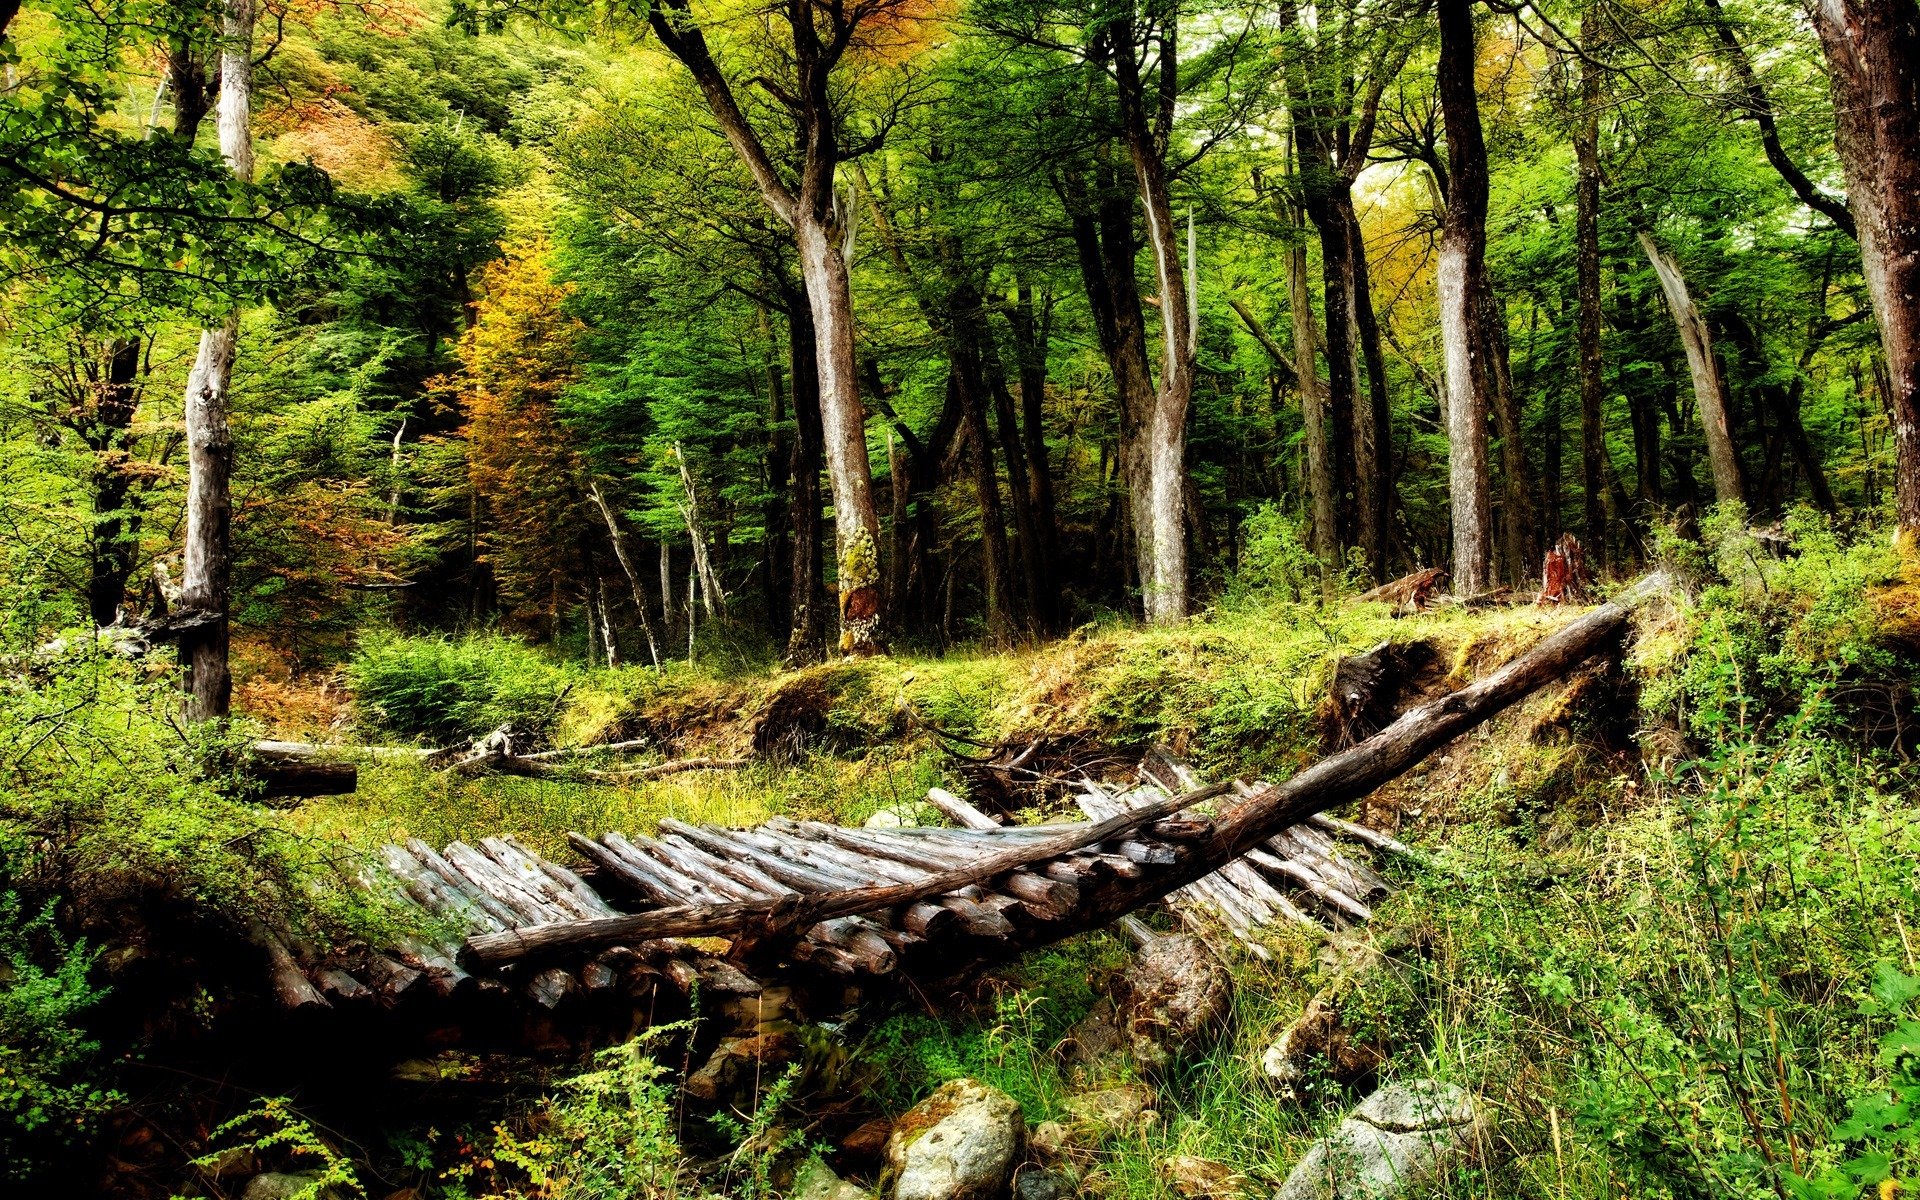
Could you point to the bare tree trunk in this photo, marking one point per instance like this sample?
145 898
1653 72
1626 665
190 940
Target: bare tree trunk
1586 237
1166 434
666 591
207 568
1031 336
1873 63
1462 271
993 528
607 640
1103 234
1374 424
1322 489
1709 382
619 540
777 559
1519 522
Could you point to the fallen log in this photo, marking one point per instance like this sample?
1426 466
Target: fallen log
286 770
1264 812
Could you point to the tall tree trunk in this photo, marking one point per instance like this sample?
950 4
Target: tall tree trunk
1373 436
1030 337
1785 403
1519 524
1873 64
806 594
1462 274
1322 486
207 568
713 598
112 541
1586 260
777 560
1165 589
1709 381
619 539
1103 233
963 378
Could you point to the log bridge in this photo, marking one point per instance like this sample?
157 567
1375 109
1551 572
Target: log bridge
927 903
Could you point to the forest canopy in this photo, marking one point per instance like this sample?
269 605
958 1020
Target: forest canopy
850 323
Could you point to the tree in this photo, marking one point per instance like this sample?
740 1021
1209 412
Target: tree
1463 290
810 206
207 564
1872 49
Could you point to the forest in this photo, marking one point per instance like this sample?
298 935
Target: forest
824 439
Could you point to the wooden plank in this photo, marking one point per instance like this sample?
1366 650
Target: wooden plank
959 811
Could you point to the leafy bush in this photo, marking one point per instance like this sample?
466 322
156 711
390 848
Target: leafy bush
50 1095
449 690
1275 561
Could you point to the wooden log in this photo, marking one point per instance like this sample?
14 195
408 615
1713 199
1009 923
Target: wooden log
286 770
342 986
487 876
525 870
567 879
1371 837
391 978
291 987
461 886
672 882
959 811
551 987
975 918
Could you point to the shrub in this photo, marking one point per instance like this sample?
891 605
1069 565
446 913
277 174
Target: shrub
449 690
50 1093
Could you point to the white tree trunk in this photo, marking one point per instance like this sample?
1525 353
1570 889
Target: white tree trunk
712 596
1313 407
207 561
843 424
1709 383
1165 591
1467 484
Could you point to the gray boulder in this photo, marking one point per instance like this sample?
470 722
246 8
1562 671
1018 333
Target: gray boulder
1401 1136
958 1144
275 1185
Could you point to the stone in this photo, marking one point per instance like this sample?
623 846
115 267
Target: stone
274 1185
229 1163
1401 1137
897 815
1111 1110
816 1181
1319 1043
868 1141
958 1144
1174 1002
736 1062
1038 1183
1196 1178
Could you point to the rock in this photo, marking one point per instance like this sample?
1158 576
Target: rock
898 815
1202 1178
816 1181
958 1144
737 1062
229 1163
276 1186
1174 1002
1038 1183
1400 1137
1050 1140
1319 1042
1094 1046
867 1142
1112 1110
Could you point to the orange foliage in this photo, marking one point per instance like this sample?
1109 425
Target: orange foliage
516 360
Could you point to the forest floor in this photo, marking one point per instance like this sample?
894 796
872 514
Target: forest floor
1662 926
1663 902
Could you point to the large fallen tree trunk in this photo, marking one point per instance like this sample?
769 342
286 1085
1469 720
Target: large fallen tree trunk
1204 845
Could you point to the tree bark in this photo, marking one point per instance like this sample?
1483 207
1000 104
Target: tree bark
713 598
1586 258
207 569
1709 381
1872 49
1374 425
1103 234
777 558
1462 275
1322 483
1030 338
806 594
